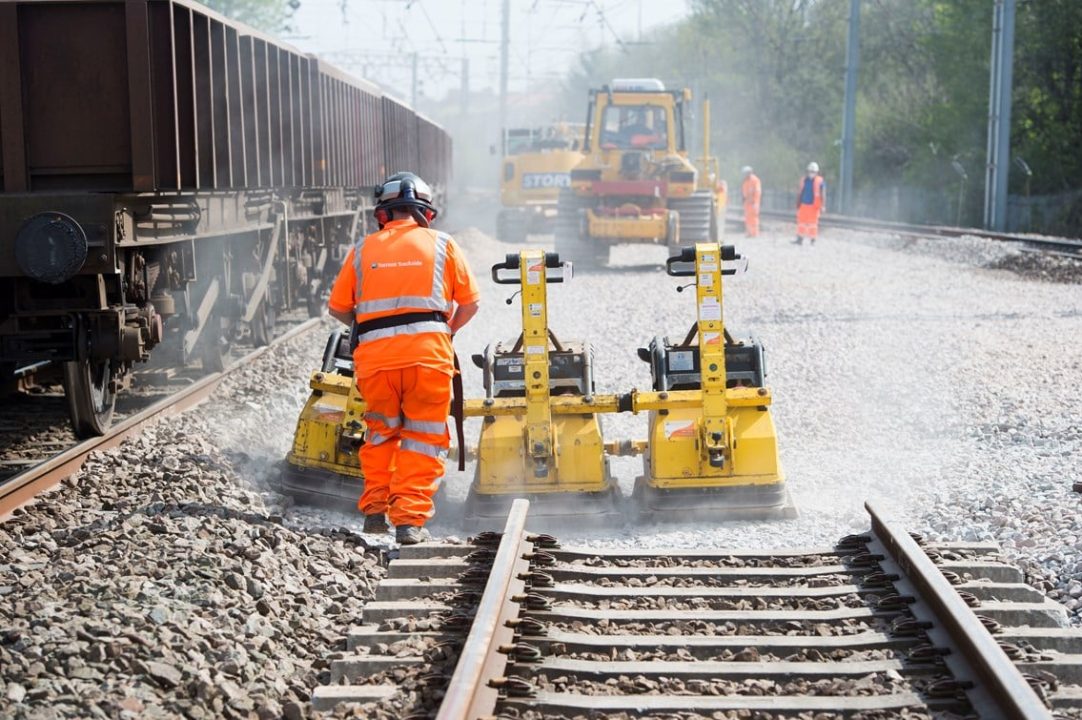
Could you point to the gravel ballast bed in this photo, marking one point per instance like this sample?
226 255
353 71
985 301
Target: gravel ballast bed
712 629
879 683
162 580
710 603
908 371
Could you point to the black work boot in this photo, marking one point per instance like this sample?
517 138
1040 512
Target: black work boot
376 524
411 535
799 240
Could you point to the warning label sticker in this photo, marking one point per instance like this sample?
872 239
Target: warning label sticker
533 273
706 279
711 338
709 309
328 412
535 309
535 349
679 429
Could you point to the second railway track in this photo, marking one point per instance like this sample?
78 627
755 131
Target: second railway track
1066 247
31 466
878 626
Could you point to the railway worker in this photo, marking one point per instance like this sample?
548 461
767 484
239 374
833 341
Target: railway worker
811 197
752 193
406 290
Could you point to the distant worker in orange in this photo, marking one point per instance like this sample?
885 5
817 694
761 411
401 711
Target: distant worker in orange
752 192
406 289
811 198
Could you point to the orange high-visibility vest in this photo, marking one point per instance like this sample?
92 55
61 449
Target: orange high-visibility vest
400 270
752 190
403 269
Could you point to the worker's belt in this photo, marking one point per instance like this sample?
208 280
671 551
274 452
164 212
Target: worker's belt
398 320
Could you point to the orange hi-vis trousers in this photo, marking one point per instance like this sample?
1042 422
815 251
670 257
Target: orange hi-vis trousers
407 438
807 221
751 220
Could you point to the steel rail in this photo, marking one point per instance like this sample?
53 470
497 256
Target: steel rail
20 489
1067 246
996 677
472 693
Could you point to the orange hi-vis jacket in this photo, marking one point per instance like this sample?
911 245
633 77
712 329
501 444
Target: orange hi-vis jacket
402 269
810 202
752 190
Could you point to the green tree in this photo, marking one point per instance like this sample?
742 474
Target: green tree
1047 111
774 70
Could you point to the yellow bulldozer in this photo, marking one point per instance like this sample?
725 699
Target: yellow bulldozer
535 167
636 182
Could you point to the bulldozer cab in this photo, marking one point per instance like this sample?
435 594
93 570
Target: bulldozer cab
636 115
559 136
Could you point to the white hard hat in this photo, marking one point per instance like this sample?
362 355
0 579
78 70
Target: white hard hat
813 167
746 169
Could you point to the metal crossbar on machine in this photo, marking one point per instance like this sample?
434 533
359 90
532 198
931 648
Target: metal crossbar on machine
711 448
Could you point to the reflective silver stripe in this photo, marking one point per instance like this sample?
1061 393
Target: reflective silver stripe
422 448
376 439
391 422
358 273
439 263
435 301
426 426
400 302
416 328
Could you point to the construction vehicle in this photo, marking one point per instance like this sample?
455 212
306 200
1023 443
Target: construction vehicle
711 449
536 165
636 183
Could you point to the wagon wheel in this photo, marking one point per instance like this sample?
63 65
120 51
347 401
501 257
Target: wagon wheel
91 400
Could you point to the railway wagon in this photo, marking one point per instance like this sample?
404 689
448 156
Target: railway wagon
170 181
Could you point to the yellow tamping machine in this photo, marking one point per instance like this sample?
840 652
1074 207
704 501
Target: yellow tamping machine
711 448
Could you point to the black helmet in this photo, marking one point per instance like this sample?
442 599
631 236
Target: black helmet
405 191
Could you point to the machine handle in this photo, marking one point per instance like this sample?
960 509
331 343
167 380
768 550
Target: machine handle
682 263
512 261
685 258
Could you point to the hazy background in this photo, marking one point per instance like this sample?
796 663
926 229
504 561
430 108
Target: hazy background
774 70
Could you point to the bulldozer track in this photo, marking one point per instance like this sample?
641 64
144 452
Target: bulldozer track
40 467
878 626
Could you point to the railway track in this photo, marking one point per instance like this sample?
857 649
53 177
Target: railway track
42 451
35 425
878 626
1059 246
